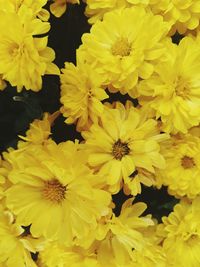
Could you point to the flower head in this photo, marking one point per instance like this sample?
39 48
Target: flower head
124 46
81 94
48 183
182 16
122 141
24 59
173 90
182 171
181 234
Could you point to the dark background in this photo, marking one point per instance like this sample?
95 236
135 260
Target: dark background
15 116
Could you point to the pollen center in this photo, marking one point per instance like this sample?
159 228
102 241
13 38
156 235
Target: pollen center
54 191
182 88
121 47
187 162
120 150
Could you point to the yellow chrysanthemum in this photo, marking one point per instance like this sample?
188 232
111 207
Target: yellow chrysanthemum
125 234
14 247
122 141
96 9
49 182
24 59
182 15
81 94
124 46
173 91
182 172
59 7
181 233
39 130
35 6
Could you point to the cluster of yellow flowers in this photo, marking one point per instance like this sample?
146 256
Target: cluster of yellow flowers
56 200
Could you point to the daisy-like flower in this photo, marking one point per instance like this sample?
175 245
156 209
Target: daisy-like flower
58 7
24 59
125 45
173 90
15 248
81 94
39 130
125 233
182 172
122 141
181 15
55 193
181 234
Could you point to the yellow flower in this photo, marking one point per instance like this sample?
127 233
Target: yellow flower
182 172
59 7
173 90
96 9
24 59
49 182
14 247
122 141
122 53
181 234
39 130
125 234
182 15
35 6
81 94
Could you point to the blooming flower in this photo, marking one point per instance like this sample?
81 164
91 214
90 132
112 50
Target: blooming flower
123 53
173 90
48 183
122 141
24 59
182 171
181 234
182 16
81 94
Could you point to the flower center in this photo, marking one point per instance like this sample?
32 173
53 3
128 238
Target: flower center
54 191
121 47
182 88
120 150
187 162
16 50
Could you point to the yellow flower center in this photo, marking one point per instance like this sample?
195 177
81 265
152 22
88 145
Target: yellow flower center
182 88
120 150
121 47
16 50
187 162
54 191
